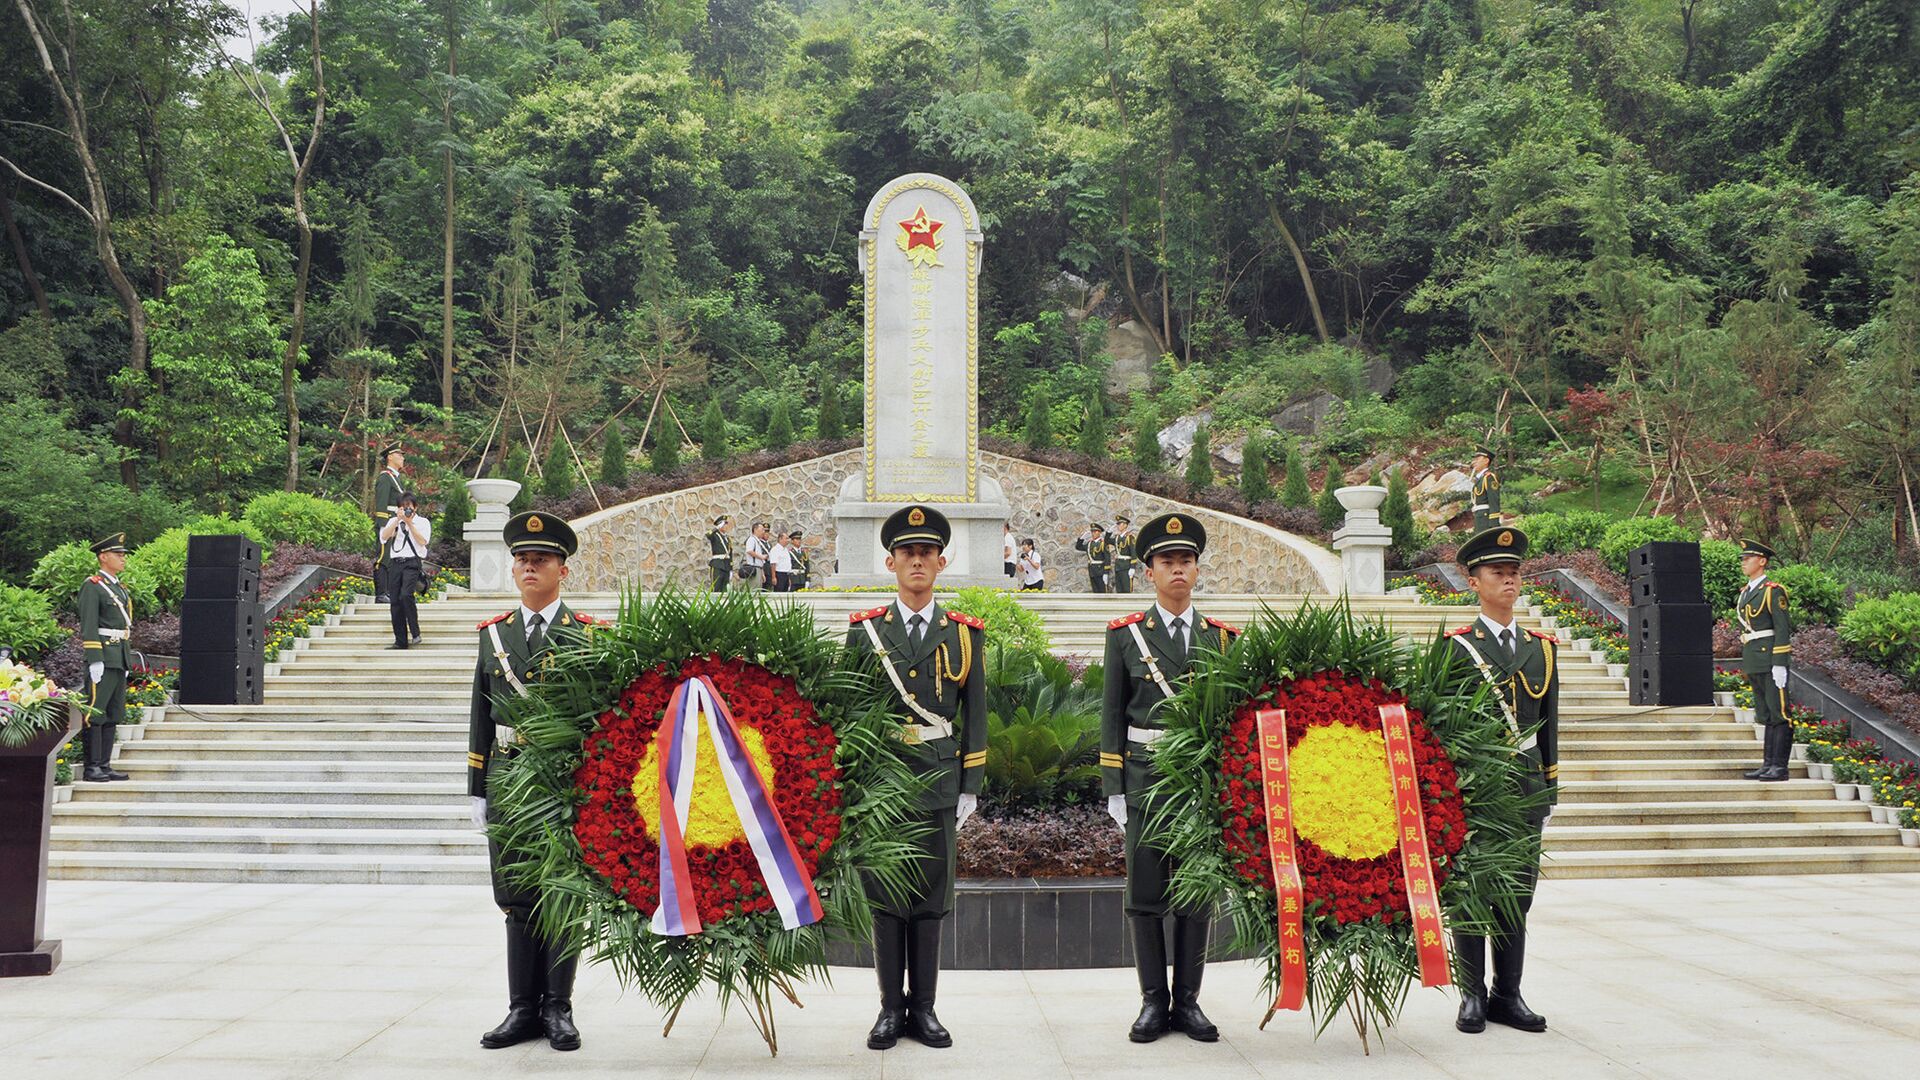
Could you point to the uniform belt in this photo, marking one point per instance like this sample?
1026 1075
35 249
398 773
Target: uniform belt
1481 506
508 735
1530 742
113 635
1145 735
1755 636
915 734
720 558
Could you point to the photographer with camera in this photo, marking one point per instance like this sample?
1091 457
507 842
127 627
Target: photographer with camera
404 540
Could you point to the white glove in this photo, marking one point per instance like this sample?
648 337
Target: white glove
479 808
1780 677
964 810
96 671
1117 809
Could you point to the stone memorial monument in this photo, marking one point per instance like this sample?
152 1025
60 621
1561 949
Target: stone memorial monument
920 250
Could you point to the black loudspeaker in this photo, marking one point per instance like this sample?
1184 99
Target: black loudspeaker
1664 557
214 626
227 677
1662 587
1678 629
231 551
222 583
1672 679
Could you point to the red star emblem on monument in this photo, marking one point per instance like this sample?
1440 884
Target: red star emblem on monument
920 238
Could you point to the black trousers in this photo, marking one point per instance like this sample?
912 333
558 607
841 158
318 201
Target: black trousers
403 603
1769 701
1509 946
1096 579
721 572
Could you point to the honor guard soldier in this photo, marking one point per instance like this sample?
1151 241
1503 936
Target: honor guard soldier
720 552
514 646
106 620
387 489
1766 646
1486 491
1123 549
802 562
933 663
1148 656
1519 665
1099 557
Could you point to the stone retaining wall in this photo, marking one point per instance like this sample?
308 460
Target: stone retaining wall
651 540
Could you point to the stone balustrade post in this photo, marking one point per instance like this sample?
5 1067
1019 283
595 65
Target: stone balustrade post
1363 541
490 565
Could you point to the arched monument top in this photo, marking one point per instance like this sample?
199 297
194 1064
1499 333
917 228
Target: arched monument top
920 181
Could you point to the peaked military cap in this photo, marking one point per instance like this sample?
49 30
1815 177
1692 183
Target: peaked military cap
1483 451
1170 532
111 542
389 450
916 524
1501 544
535 530
1123 520
1094 526
1751 546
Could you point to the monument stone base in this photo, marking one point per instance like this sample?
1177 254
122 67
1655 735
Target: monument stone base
975 556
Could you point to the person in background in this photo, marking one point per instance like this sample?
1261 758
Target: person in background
1486 491
1766 648
759 544
106 621
780 558
1099 556
387 489
802 561
405 539
720 552
1122 541
1006 543
1033 578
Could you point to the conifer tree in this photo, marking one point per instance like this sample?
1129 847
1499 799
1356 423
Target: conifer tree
1200 462
1255 486
1039 420
1296 492
1331 512
713 434
613 457
1093 427
780 426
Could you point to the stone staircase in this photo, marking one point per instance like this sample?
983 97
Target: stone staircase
353 768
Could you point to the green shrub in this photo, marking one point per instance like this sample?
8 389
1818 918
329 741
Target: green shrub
1200 461
1813 594
27 625
1255 486
1623 536
1332 514
304 519
1297 491
1009 625
1886 632
613 457
556 473
1397 514
60 573
1559 533
1146 435
1720 574
162 562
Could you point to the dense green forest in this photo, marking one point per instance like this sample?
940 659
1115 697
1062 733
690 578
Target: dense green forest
1665 252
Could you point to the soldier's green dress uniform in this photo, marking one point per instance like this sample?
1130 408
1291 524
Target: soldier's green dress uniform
106 620
1099 559
1766 642
802 566
387 489
1146 661
1486 495
513 650
938 691
1123 549
1526 676
719 557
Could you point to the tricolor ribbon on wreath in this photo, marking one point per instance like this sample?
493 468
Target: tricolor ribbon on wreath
697 705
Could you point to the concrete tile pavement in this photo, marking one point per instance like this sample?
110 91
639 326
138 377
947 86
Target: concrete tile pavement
1697 978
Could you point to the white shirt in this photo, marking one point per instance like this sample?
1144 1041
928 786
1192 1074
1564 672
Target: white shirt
1009 547
404 545
907 614
782 559
756 550
1167 617
1512 629
547 615
1756 582
1033 575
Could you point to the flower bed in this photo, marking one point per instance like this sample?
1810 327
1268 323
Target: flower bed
298 621
149 688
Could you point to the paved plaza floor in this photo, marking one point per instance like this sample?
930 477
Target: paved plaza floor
1708 977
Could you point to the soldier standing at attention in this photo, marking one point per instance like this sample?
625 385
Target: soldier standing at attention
1099 557
1486 491
1766 647
1519 665
720 552
513 647
932 659
1149 653
106 619
1122 541
387 489
802 562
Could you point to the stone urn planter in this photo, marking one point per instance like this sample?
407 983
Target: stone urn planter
26 818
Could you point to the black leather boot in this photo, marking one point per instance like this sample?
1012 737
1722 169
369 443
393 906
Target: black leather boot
923 974
95 768
1189 964
1504 1005
523 991
1470 957
107 734
1150 961
1779 744
556 1008
890 963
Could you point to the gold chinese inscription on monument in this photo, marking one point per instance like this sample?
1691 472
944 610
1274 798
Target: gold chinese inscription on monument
921 242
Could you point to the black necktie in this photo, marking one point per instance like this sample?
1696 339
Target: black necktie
914 627
1179 628
1506 643
536 632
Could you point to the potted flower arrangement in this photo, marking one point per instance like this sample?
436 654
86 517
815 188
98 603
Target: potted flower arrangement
1822 739
1743 703
148 693
1910 825
1853 768
1893 788
1726 683
36 717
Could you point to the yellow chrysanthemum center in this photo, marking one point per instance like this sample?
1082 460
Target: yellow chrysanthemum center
711 819
1342 794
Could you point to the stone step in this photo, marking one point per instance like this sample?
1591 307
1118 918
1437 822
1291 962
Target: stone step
336 731
1582 768
1675 791
449 793
1742 811
356 696
1725 835
1706 862
1648 750
367 713
1590 731
254 868
238 752
215 840
445 767
370 816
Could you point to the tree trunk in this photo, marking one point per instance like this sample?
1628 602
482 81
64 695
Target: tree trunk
1300 265
302 168
25 260
446 264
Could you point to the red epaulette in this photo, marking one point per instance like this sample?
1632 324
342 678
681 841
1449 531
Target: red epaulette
870 613
497 618
588 619
1544 636
1126 620
94 578
1467 629
1218 625
965 619
1777 585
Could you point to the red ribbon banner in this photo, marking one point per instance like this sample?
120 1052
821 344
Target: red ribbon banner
1416 860
1276 790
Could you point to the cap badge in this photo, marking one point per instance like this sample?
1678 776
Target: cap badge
1506 538
534 524
916 516
1174 526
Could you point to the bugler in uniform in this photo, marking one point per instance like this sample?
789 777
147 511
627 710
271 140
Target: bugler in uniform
1766 650
1123 549
1149 653
106 620
1520 665
514 647
1486 491
1099 557
933 662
